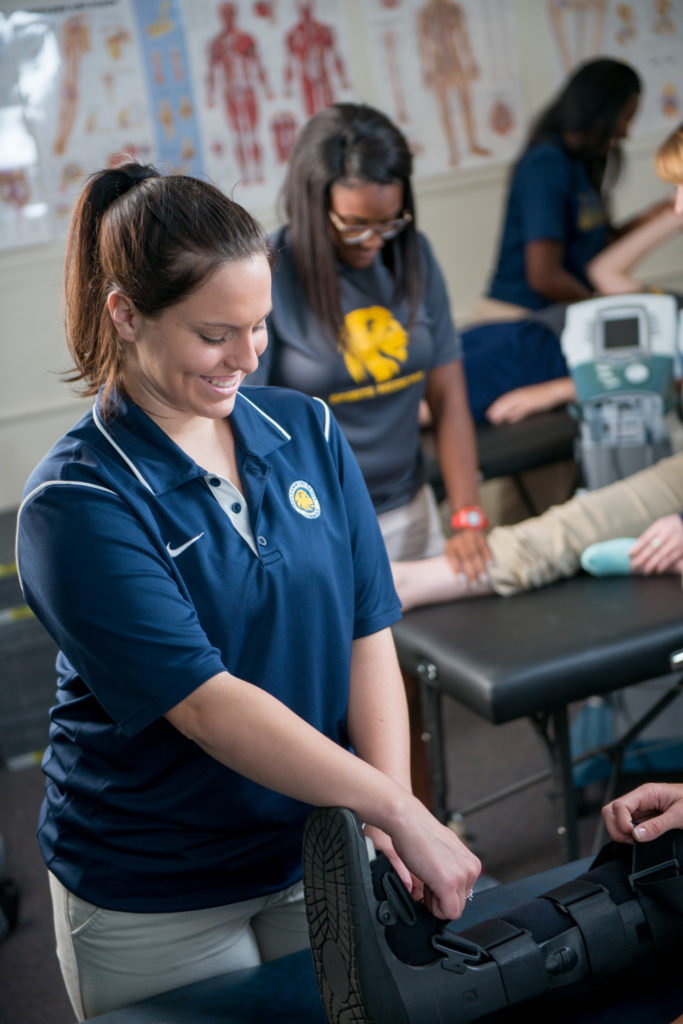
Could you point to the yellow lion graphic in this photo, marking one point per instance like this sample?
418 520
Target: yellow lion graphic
376 344
303 500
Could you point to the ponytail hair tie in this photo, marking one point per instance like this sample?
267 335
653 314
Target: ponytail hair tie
143 172
110 185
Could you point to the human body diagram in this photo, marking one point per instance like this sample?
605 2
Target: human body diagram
312 56
577 26
448 66
75 43
234 57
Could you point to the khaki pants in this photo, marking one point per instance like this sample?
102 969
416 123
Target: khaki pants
413 530
548 547
111 958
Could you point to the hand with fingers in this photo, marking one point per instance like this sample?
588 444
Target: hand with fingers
468 554
645 812
660 548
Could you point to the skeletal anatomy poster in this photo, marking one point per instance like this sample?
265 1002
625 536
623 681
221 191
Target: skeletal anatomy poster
262 69
76 77
648 34
447 73
24 209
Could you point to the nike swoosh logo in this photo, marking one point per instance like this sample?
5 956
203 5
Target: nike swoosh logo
174 552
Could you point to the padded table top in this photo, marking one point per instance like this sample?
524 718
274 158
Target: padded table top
535 441
509 657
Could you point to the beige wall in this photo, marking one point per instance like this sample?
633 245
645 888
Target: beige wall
460 212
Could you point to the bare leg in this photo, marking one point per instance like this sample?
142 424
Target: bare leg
432 580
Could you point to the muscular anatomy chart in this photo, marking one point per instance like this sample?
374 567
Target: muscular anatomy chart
235 66
266 67
74 44
313 59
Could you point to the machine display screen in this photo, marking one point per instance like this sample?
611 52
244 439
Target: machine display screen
621 333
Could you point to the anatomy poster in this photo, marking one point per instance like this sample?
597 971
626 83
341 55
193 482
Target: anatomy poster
262 69
79 83
447 73
163 51
24 209
221 89
645 33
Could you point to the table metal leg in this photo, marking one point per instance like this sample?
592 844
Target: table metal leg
564 775
430 701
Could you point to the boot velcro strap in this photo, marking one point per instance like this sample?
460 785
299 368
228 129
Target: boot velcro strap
518 956
656 871
600 923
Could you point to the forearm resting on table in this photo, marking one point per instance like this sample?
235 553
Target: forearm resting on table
519 403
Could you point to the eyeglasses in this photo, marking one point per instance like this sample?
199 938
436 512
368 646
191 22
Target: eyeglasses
356 234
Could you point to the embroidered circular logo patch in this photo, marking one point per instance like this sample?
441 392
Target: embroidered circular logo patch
303 498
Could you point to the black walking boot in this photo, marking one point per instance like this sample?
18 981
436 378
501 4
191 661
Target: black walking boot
381 958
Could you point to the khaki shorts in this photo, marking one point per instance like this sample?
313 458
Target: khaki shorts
413 530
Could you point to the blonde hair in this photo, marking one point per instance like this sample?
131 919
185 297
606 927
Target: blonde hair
669 158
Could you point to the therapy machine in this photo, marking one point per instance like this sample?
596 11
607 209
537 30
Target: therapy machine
623 354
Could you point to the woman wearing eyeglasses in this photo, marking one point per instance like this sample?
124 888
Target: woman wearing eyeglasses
361 318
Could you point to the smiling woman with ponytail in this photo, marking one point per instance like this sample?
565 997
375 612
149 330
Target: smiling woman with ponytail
207 559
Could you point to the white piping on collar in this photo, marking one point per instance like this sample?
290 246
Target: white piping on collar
326 425
133 468
265 416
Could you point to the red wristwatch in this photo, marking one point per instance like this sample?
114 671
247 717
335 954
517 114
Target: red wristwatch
471 517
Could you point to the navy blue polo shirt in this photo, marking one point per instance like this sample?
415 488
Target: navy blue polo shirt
140 577
550 198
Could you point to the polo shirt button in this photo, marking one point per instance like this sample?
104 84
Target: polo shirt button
236 507
262 541
215 481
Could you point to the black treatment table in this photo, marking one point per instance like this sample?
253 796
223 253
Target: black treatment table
533 655
510 449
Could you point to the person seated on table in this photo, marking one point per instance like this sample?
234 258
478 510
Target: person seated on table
537 551
557 216
611 273
557 222
515 369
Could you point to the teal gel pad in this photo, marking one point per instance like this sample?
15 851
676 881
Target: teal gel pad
609 557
